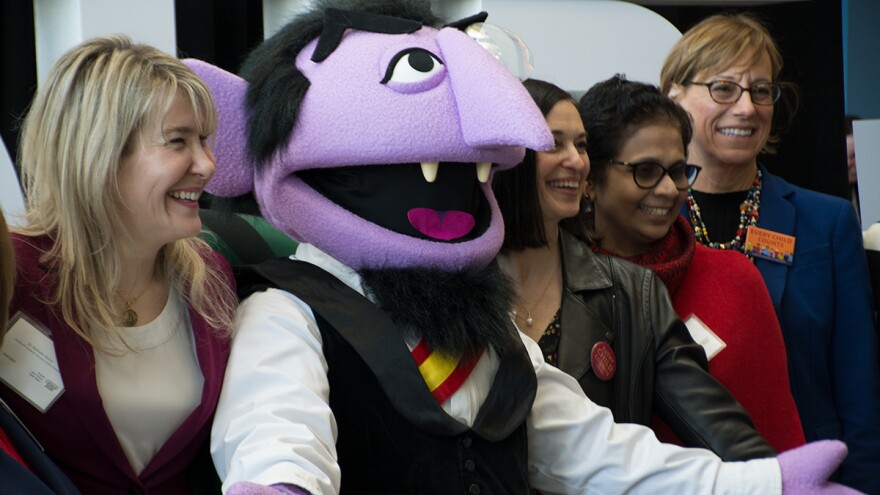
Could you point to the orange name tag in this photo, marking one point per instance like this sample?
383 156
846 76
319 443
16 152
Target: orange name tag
769 245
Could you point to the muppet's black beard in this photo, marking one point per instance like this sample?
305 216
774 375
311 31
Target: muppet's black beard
458 313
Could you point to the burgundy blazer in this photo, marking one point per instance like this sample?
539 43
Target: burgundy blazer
75 431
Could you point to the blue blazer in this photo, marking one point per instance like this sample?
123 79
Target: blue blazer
824 304
43 477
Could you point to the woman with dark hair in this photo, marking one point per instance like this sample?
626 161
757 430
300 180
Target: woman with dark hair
725 71
605 321
638 180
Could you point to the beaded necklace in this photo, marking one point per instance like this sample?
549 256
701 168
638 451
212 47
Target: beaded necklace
748 216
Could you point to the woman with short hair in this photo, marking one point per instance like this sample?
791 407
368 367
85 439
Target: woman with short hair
725 71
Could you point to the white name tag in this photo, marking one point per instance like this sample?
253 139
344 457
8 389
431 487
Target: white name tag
704 336
28 364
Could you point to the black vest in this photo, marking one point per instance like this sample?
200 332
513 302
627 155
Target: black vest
393 437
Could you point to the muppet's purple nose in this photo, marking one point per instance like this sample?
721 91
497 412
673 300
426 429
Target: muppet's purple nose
494 107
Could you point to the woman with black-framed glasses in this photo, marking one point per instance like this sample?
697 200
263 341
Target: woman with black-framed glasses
806 245
637 184
761 93
649 173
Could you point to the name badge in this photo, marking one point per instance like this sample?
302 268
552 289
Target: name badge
28 364
769 245
703 335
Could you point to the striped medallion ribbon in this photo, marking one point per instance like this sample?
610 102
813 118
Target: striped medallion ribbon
443 374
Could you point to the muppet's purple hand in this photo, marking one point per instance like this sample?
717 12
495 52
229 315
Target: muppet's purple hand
805 470
248 488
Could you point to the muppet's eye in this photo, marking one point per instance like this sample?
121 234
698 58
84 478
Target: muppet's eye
412 65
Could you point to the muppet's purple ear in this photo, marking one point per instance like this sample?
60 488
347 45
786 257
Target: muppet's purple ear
235 168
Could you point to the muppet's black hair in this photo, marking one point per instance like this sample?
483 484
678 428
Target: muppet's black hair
276 87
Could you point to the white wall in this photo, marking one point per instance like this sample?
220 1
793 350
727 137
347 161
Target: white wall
62 24
576 43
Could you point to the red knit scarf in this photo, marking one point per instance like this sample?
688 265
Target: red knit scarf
669 257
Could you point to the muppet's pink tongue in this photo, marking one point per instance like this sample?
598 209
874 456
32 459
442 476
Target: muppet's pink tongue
443 225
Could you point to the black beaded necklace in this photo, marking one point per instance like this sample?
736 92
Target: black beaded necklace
749 212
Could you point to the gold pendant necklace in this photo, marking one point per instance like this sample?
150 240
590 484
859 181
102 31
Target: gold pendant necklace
129 315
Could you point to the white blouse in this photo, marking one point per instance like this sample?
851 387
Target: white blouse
151 382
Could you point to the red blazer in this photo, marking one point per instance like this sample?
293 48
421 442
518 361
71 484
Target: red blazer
75 431
717 287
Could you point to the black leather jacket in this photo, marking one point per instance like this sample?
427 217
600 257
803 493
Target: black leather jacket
659 366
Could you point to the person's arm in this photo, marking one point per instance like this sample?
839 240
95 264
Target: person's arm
274 424
854 354
691 401
575 447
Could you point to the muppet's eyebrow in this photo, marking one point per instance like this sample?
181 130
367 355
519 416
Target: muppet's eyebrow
336 21
462 24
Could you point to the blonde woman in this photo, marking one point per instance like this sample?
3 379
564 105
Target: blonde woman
114 156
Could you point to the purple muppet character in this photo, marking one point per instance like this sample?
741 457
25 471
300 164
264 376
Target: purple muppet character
381 358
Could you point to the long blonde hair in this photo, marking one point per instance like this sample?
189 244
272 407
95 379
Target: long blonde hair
81 124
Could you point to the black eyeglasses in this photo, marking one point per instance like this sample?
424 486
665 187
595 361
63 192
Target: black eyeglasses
648 174
762 93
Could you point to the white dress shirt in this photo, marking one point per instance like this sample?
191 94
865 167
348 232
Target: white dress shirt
274 423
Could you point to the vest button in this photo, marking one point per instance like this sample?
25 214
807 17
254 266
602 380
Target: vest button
470 465
474 489
466 442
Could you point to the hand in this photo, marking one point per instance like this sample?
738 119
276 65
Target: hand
805 470
248 488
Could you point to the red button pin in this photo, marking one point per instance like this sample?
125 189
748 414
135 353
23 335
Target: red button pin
603 360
